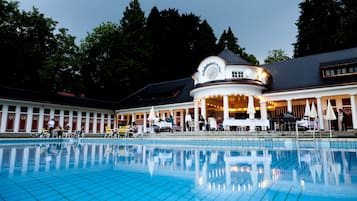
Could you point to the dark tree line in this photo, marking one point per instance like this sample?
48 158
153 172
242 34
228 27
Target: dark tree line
326 25
114 59
117 58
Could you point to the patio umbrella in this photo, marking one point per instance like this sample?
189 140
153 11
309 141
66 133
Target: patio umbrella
251 109
330 114
307 109
313 114
151 117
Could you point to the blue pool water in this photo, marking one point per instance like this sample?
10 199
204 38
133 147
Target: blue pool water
112 169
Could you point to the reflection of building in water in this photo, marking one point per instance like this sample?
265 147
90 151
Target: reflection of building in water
212 169
238 172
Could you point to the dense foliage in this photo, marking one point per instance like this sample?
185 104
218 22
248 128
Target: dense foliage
113 60
276 56
326 25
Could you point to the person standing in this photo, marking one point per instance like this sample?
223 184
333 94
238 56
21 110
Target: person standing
51 126
201 122
188 120
342 120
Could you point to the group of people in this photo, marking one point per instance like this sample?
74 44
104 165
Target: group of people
60 130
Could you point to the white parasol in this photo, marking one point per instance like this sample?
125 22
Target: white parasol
330 114
313 114
307 109
151 117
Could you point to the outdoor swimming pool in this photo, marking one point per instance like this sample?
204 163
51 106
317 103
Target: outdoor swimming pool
126 169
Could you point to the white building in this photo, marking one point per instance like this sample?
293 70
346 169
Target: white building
225 88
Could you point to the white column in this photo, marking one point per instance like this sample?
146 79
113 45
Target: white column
79 120
354 111
263 112
251 114
86 128
196 115
61 120
319 113
4 118
40 119
132 118
70 118
17 118
95 123
101 123
144 122
290 107
29 119
225 108
203 108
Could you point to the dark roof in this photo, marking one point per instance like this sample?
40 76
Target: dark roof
37 96
304 72
175 91
231 58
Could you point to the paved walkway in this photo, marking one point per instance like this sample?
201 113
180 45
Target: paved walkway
220 134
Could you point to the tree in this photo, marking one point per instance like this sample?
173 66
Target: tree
326 25
62 68
276 56
134 31
27 41
349 24
175 39
103 62
228 40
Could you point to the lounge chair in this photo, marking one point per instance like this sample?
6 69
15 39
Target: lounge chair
108 132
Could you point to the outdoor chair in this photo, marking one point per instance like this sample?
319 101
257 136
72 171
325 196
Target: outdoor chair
108 132
44 133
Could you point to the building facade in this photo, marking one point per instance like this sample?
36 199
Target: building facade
226 90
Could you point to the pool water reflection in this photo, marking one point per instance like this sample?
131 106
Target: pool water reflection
98 170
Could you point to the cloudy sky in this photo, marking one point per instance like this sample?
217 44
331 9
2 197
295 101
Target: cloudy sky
259 25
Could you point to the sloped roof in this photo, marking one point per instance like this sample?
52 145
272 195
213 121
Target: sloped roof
37 96
233 59
304 72
175 91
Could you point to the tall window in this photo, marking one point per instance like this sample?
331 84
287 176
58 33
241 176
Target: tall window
10 118
35 118
91 122
83 121
74 120
23 119
46 117
99 120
